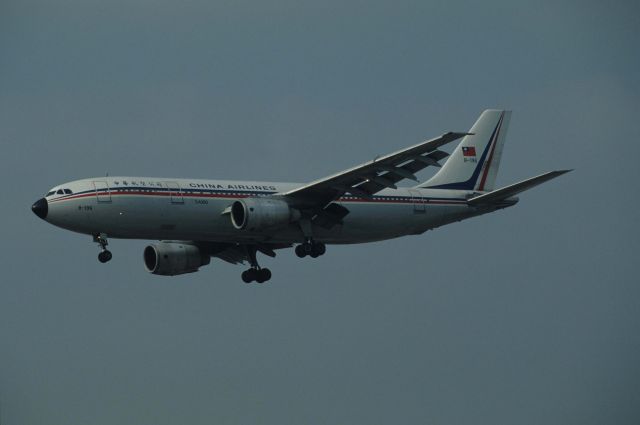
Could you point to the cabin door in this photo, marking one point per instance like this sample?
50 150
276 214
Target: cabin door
103 193
418 201
175 192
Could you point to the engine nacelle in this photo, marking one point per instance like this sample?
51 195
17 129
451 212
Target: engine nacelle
261 213
172 258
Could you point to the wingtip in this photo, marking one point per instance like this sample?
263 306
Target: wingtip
457 134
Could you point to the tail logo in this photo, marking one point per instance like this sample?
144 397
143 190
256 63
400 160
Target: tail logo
469 151
469 154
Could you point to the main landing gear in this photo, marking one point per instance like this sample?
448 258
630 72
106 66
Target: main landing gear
310 248
105 255
255 273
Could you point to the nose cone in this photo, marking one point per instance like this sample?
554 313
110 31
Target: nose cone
40 208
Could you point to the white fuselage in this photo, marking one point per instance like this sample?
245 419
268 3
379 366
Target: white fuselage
192 209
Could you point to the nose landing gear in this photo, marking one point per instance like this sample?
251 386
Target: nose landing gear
105 255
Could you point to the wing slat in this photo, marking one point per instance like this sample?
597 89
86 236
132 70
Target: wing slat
373 176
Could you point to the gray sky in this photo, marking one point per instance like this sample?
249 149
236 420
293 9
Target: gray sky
527 316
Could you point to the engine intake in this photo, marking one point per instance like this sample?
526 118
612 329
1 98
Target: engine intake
261 213
170 258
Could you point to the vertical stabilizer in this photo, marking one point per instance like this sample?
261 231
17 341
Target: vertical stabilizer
474 163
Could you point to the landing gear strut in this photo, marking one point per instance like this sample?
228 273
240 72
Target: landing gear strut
105 255
255 273
310 248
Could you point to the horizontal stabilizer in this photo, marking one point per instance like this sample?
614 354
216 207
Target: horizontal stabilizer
514 189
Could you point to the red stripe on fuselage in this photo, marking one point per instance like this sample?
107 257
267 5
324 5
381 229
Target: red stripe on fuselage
236 196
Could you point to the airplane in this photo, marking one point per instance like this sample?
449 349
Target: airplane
195 219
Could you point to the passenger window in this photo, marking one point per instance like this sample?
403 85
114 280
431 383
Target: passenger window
68 191
60 192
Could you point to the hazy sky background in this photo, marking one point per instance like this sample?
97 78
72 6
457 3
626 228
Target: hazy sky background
526 316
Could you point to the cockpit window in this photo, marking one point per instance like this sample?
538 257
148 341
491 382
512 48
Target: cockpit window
60 192
50 193
67 191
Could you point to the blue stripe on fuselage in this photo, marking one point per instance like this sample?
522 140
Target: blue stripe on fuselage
188 191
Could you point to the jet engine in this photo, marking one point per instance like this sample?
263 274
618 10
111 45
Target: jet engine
261 213
172 258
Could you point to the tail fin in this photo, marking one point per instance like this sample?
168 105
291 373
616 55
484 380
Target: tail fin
474 163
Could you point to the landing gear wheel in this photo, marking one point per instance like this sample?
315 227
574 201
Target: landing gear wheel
248 276
307 247
105 256
267 274
257 275
312 249
255 272
263 275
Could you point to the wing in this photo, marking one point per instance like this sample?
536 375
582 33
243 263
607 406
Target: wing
371 177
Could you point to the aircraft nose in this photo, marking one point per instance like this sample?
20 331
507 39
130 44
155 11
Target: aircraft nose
40 208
